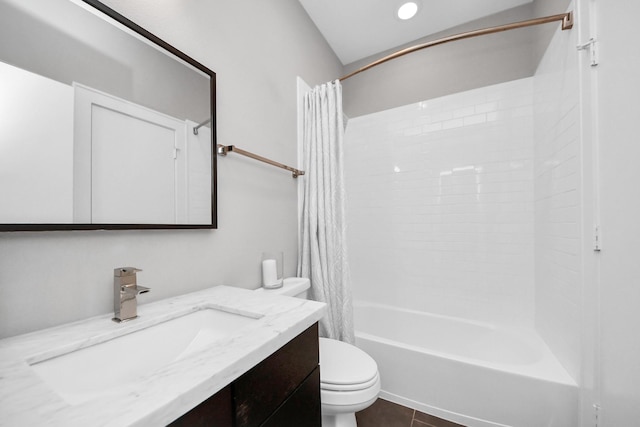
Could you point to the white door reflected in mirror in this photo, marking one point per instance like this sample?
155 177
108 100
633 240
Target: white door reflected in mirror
133 166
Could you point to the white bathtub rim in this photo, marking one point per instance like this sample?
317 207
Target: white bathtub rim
547 368
439 412
475 322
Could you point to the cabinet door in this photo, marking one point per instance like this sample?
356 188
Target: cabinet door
302 408
216 411
259 392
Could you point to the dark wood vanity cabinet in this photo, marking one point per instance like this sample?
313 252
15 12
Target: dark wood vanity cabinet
283 390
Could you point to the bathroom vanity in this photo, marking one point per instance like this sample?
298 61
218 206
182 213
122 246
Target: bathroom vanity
223 356
283 390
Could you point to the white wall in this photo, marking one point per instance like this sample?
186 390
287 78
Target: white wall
36 148
440 204
619 151
558 288
257 49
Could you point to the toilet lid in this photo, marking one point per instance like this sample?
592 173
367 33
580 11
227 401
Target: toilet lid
344 366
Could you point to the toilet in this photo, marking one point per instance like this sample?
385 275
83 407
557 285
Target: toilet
349 379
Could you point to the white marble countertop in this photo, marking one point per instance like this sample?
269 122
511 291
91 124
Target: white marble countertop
159 398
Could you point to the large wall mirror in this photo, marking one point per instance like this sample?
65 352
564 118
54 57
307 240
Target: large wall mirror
102 124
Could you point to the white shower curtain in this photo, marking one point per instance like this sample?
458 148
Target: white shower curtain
323 254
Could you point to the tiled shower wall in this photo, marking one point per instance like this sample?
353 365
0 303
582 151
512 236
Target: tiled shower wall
440 204
557 171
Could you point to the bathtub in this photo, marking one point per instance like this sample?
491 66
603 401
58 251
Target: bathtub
471 373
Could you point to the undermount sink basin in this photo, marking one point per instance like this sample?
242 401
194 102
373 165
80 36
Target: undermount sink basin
83 374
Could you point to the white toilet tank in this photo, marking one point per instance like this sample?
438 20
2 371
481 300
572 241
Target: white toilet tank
293 286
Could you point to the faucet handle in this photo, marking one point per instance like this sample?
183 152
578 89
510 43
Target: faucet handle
125 271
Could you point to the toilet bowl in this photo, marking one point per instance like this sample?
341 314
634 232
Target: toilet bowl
349 382
349 379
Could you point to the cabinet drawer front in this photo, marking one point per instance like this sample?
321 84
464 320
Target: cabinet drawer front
260 391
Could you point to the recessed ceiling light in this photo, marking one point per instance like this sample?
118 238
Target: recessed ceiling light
408 10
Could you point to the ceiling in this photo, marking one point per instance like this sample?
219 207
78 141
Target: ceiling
356 29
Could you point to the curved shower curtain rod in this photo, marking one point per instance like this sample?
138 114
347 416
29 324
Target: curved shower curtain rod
566 18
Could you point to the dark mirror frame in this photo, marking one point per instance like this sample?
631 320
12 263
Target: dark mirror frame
179 54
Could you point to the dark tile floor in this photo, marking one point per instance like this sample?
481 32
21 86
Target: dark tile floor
387 414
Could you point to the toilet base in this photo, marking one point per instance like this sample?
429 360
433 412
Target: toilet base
344 415
339 420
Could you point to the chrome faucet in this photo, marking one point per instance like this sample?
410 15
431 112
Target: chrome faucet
125 290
